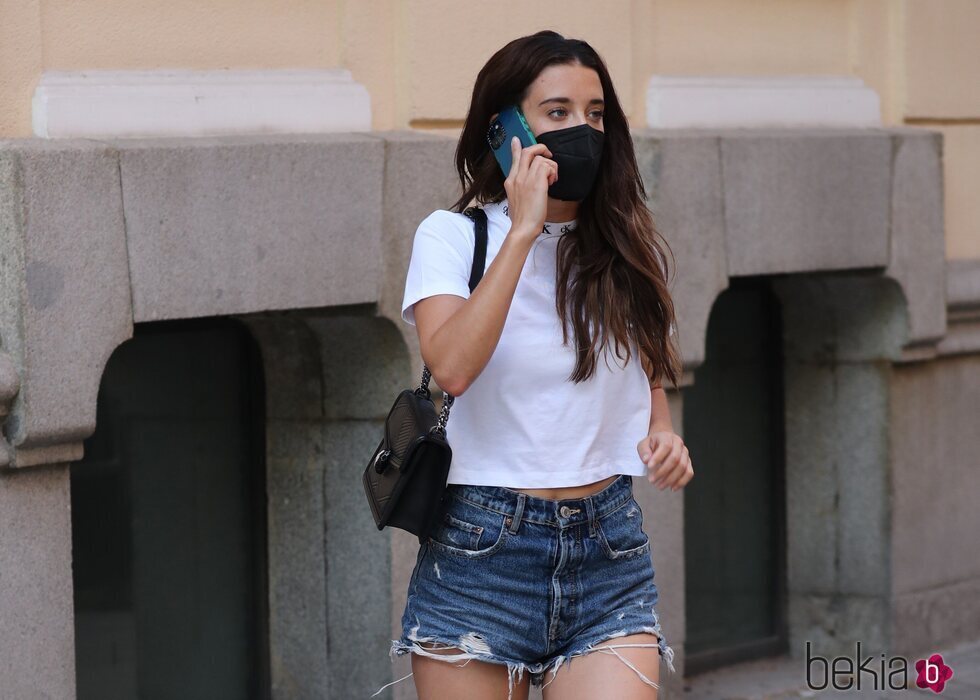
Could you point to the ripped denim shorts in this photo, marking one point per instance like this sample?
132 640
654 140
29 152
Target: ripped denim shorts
530 583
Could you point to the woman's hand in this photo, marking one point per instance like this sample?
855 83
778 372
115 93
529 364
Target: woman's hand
531 174
667 458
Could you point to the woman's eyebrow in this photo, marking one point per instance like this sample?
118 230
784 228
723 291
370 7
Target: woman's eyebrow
565 100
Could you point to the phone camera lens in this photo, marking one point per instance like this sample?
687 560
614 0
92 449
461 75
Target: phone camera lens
496 135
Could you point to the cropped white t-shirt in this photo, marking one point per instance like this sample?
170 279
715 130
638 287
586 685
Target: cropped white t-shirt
521 423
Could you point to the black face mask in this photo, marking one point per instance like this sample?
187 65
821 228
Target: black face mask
577 150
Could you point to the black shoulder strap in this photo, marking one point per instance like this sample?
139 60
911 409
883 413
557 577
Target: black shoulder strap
480 251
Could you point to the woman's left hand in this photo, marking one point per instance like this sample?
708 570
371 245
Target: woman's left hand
667 458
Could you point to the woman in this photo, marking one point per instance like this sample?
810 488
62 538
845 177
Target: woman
540 556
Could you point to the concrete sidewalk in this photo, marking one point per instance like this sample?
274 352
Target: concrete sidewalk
782 678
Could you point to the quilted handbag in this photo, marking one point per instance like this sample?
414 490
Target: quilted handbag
405 479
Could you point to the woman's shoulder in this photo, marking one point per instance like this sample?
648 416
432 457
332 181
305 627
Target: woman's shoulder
449 226
447 217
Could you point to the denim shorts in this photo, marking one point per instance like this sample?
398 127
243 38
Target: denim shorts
529 582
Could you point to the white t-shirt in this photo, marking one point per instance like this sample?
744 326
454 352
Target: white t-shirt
521 423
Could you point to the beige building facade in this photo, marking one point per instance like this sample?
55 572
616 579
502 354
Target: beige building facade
206 215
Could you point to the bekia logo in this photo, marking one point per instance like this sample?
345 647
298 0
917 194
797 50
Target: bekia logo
933 673
888 673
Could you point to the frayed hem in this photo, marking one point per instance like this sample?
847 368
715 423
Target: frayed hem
473 646
666 653
515 669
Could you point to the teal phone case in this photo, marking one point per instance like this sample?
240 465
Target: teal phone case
509 123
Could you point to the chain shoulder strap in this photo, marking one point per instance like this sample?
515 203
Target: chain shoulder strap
476 274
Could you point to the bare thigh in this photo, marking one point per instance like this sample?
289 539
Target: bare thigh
471 679
601 674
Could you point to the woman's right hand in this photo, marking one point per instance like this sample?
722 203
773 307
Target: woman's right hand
531 174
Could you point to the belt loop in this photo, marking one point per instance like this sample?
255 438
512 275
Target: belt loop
516 520
590 510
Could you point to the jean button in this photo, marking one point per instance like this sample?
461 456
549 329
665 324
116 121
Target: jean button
565 511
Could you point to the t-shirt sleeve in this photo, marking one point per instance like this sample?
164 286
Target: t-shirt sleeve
442 255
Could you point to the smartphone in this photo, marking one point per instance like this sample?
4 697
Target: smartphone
509 123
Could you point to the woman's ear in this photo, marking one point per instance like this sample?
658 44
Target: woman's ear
495 115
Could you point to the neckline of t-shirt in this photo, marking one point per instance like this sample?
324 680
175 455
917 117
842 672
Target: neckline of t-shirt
551 228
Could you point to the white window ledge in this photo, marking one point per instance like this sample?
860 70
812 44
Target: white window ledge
110 103
760 101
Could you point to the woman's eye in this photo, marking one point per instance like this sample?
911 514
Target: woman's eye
596 114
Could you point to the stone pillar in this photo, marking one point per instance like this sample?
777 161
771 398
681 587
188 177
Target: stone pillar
295 515
330 382
838 357
364 365
37 640
64 307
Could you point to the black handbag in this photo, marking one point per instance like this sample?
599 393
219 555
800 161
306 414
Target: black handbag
405 479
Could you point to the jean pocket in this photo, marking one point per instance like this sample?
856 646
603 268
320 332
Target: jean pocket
469 530
621 532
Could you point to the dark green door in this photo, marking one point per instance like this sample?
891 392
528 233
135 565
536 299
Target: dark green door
733 508
168 521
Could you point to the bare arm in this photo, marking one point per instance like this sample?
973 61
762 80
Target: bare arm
659 409
457 336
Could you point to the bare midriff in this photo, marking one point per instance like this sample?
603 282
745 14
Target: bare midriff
563 492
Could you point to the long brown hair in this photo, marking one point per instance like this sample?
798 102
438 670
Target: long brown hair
620 283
